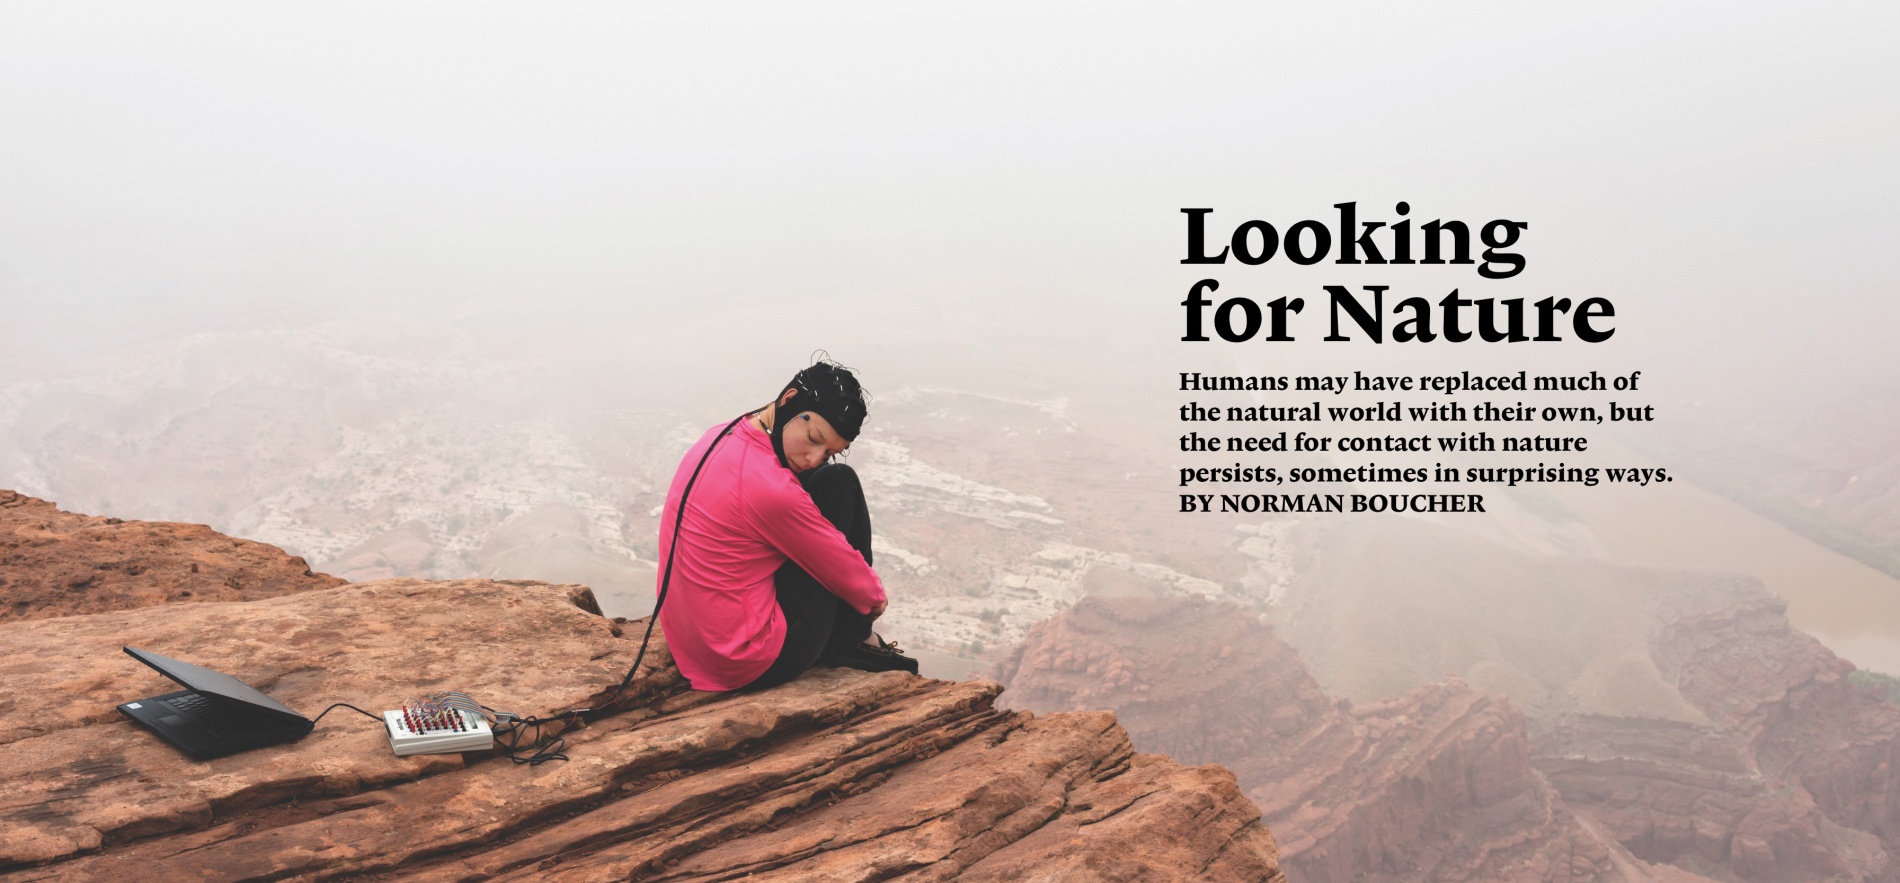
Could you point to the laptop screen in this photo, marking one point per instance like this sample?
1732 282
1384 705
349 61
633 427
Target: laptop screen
205 680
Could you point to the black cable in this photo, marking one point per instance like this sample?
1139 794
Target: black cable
375 717
514 731
666 578
510 736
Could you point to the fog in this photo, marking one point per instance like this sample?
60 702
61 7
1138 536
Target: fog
1704 164
632 220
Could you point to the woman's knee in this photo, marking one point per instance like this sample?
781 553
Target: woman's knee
833 478
837 491
839 495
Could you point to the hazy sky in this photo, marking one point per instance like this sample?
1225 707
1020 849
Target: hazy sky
669 207
1724 172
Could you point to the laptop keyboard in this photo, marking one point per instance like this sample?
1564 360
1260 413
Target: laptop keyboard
221 716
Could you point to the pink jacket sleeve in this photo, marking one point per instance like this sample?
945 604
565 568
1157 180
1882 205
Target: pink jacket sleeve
791 522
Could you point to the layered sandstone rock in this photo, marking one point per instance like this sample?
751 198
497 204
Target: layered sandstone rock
55 563
1434 785
1788 780
839 775
1675 710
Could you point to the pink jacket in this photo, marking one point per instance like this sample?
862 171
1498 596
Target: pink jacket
746 515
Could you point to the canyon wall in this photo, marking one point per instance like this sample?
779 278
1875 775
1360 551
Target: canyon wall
1434 785
840 775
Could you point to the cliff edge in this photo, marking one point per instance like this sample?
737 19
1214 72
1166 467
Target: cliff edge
56 563
839 775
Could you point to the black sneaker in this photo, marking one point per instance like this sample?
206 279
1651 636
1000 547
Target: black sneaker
864 657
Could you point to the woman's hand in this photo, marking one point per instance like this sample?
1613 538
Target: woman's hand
879 609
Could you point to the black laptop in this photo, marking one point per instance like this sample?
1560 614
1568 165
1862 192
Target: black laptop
215 714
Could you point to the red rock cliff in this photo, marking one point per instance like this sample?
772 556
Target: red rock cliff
1434 785
55 563
1676 710
1790 777
838 775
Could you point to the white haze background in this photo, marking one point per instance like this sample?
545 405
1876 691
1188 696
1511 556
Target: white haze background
654 214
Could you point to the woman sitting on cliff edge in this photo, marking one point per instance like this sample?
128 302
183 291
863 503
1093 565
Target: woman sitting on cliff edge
772 571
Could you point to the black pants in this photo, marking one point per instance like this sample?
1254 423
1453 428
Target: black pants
815 618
